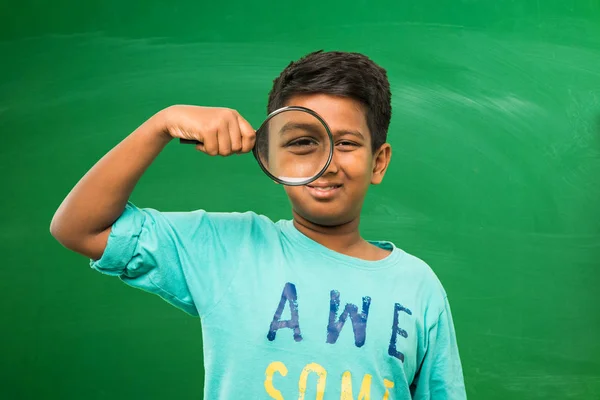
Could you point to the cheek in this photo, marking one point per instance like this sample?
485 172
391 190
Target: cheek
356 166
293 192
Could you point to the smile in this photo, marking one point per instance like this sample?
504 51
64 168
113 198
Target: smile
323 192
324 187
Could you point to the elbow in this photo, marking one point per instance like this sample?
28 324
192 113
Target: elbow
59 233
88 245
55 228
62 234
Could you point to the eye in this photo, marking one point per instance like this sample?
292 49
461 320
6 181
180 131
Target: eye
302 146
305 141
346 144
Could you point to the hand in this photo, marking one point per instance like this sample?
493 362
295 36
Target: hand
219 131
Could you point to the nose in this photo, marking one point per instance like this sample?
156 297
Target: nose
333 167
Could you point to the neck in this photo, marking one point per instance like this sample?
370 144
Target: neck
343 238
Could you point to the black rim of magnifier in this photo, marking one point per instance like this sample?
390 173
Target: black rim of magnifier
329 158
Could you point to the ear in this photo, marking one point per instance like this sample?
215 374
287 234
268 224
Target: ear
381 160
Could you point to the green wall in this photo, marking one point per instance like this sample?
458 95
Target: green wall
495 178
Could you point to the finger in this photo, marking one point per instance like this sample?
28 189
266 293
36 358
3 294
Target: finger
248 134
211 144
235 135
223 138
190 136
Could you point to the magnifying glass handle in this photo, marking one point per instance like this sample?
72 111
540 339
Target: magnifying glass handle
189 141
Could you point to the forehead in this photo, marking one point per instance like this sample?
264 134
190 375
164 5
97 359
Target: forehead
340 113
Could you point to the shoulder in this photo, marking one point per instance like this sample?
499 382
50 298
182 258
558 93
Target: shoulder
423 277
422 270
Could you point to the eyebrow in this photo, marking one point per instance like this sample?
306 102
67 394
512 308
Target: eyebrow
316 128
313 128
344 132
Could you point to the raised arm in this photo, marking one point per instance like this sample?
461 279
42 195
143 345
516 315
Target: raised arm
83 221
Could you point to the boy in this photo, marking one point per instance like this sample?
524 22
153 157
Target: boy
301 308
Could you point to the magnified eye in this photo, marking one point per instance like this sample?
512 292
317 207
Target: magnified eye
294 146
302 142
302 146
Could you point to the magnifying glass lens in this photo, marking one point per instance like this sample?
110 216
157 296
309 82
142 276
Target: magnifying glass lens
293 146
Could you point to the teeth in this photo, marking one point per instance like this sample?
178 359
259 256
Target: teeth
324 188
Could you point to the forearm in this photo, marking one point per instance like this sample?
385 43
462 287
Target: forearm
99 198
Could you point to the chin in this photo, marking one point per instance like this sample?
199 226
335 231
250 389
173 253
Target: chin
335 212
324 217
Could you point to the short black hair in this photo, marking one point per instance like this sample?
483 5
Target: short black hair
339 73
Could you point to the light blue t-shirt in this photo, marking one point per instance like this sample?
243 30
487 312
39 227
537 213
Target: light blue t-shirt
284 317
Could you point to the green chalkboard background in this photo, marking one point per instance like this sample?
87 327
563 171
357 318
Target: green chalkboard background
495 179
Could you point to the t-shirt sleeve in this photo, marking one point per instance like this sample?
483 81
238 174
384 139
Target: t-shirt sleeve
187 258
440 376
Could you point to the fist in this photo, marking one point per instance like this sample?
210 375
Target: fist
218 131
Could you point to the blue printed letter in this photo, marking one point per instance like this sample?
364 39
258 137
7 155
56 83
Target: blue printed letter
359 321
289 295
397 330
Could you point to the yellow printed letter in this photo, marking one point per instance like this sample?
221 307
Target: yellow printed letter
388 385
346 386
275 366
365 387
320 371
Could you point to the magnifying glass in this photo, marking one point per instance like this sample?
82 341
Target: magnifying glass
293 146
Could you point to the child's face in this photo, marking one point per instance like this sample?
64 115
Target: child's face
353 168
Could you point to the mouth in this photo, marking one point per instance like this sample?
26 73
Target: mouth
322 186
323 191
